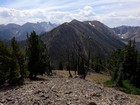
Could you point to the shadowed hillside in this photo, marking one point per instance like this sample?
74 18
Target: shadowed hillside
91 36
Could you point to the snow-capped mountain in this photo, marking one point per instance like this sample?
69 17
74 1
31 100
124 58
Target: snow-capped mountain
20 31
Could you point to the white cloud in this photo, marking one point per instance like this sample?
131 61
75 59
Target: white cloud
87 11
117 19
34 15
112 13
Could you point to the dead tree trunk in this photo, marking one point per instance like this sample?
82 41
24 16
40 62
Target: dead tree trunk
83 61
69 69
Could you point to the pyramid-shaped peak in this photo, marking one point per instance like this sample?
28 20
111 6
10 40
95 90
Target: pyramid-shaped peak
74 21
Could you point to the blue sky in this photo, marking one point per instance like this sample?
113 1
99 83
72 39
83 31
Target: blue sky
111 12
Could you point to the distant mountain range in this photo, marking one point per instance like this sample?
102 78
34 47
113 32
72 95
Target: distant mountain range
20 31
127 33
91 36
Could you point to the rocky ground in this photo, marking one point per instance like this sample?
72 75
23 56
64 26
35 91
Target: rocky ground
64 91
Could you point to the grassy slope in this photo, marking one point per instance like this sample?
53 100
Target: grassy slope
93 77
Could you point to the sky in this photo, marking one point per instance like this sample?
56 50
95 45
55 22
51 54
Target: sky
111 12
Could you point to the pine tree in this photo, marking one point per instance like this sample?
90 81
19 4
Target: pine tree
81 70
124 64
60 66
137 73
5 62
33 54
44 61
98 64
119 77
116 59
17 65
37 56
130 61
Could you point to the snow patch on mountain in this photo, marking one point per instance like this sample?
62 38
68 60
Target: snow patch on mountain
91 24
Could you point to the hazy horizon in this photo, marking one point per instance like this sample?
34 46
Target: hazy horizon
111 12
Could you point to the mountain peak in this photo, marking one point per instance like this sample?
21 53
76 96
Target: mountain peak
99 40
74 21
19 31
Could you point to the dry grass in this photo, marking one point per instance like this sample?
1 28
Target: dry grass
93 77
97 78
63 73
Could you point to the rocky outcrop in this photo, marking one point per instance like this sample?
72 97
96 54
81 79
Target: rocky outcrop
64 91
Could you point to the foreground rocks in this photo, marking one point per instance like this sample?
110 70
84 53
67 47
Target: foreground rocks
64 91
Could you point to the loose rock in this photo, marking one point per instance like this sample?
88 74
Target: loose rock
65 91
